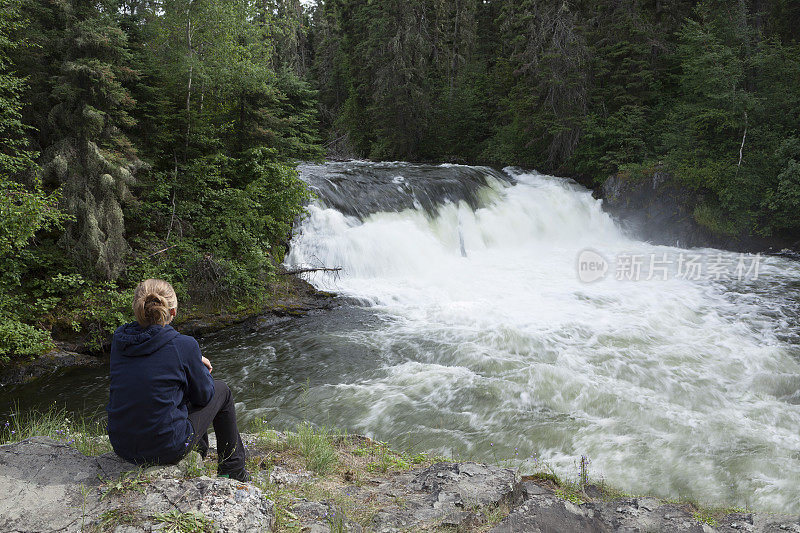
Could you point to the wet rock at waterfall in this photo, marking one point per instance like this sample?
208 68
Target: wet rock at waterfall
360 188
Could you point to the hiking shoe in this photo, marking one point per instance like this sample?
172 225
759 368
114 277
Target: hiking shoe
243 476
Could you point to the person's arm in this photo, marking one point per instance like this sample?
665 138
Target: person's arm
200 384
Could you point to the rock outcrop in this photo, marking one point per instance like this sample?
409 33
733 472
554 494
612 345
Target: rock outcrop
660 210
24 371
45 485
540 513
48 486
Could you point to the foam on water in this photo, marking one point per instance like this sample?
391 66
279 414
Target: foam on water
677 387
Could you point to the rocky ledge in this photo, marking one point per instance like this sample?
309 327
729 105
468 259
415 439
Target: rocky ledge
46 485
658 209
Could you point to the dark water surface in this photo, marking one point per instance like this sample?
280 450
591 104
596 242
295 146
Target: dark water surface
270 371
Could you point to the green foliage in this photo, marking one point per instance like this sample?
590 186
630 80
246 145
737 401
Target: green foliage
737 106
23 212
383 459
190 522
21 340
15 155
127 482
142 139
168 135
227 229
782 201
314 444
92 308
76 63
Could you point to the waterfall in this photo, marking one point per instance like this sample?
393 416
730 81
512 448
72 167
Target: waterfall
670 384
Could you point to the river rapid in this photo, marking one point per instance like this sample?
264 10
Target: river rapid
470 332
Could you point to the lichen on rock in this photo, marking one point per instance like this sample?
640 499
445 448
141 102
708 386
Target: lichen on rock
47 486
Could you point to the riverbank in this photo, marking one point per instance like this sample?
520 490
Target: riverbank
291 297
320 481
658 208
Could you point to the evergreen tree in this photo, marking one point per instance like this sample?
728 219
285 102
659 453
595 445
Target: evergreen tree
24 210
78 103
15 155
542 114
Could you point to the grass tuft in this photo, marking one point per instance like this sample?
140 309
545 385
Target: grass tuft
88 436
336 520
127 482
109 520
315 446
175 522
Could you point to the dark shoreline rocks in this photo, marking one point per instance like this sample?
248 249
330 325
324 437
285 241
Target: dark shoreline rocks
23 372
658 209
303 299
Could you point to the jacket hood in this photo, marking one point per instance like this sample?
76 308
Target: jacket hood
133 340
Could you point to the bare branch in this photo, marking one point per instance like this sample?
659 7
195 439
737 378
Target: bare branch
306 270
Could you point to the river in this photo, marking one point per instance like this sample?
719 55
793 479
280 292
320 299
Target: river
471 332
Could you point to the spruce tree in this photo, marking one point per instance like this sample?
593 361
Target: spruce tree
77 68
15 155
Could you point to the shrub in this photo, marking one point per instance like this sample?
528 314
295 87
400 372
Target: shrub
22 340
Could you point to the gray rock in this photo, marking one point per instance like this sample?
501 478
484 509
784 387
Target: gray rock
545 514
644 514
660 209
448 494
283 476
318 517
542 511
233 506
48 486
25 371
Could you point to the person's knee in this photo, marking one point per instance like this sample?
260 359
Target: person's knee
221 389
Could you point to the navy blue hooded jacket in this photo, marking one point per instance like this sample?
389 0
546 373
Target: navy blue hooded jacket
155 373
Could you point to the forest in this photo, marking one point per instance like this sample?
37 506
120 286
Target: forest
159 138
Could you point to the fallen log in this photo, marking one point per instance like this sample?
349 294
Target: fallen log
306 270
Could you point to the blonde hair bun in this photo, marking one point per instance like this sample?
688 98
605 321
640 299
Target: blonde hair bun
152 300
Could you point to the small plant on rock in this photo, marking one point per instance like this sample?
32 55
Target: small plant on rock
705 516
336 520
177 522
388 460
315 446
112 518
129 481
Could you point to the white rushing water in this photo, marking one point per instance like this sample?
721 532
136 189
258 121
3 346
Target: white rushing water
676 387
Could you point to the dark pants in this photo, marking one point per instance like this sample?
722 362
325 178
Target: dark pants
221 413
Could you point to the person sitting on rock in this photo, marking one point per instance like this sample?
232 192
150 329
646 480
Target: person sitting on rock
162 397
